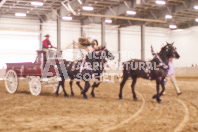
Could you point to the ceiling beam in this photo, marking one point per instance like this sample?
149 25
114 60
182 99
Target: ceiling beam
123 18
117 10
172 10
2 3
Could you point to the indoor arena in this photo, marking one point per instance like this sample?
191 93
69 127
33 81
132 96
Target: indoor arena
98 65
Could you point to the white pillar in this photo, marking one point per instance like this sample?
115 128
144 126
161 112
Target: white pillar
143 41
58 31
103 32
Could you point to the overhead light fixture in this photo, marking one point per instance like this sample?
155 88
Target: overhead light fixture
172 26
196 20
67 18
88 8
160 2
131 12
37 3
196 7
108 21
168 17
20 14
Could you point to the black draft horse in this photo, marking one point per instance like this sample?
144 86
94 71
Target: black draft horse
89 67
97 73
159 73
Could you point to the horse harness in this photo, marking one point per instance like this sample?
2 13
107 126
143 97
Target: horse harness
160 65
84 64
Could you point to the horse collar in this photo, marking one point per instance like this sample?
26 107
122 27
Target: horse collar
162 64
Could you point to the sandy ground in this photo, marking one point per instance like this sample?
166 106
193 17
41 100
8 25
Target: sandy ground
23 112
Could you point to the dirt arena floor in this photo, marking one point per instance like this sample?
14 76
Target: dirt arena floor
23 112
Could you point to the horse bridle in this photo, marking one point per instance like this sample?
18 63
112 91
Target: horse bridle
161 64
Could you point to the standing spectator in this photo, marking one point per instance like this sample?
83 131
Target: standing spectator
171 76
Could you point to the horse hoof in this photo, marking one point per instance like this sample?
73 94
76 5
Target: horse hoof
160 102
120 98
56 95
67 96
72 94
135 99
85 97
93 95
154 96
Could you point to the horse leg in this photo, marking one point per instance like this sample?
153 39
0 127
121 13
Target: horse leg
57 90
63 86
87 85
158 88
70 83
163 88
133 88
62 83
93 87
121 86
78 83
92 91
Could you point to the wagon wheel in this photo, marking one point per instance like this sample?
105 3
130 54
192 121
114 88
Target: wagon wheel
35 86
11 81
60 89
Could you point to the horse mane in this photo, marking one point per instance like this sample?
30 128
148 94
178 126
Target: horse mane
163 49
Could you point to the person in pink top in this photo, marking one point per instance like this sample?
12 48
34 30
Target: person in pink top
171 76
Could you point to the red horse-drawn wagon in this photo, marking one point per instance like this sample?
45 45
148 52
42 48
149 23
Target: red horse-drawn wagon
39 77
34 72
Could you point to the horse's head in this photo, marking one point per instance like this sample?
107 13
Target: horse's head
170 51
106 54
100 55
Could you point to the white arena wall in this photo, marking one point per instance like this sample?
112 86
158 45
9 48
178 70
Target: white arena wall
186 41
18 40
69 31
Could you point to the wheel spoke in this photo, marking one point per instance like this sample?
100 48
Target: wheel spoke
15 83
